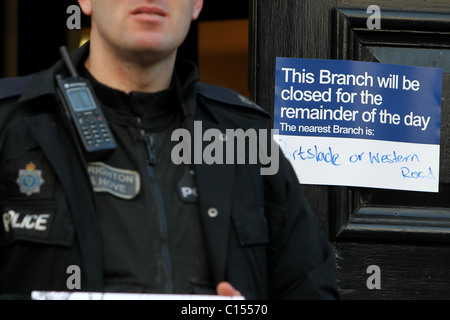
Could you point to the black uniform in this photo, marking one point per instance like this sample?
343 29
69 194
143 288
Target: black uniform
138 222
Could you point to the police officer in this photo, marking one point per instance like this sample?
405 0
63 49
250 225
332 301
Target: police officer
137 219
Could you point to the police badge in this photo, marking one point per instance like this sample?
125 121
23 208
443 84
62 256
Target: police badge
30 180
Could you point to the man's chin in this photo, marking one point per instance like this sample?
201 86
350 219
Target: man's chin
147 44
145 52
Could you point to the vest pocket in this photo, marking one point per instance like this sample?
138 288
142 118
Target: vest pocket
251 225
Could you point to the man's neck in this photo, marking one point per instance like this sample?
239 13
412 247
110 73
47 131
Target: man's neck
128 73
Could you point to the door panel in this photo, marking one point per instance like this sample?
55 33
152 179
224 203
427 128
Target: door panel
406 234
410 38
407 221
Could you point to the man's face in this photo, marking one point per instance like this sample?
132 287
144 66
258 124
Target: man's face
153 26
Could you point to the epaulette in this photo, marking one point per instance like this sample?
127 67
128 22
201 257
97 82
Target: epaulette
225 95
11 87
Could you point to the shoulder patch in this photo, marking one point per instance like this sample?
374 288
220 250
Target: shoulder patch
10 87
228 96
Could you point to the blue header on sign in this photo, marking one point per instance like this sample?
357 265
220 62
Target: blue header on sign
354 99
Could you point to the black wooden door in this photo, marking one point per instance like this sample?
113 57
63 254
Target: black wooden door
388 244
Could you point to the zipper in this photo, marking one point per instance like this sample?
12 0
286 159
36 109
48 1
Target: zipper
161 214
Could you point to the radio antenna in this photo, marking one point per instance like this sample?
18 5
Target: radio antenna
68 61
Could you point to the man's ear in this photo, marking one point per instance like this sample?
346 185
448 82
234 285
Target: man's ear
85 6
198 5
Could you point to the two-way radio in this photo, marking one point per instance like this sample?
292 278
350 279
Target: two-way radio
83 110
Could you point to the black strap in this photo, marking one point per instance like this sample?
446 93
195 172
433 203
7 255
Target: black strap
86 226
